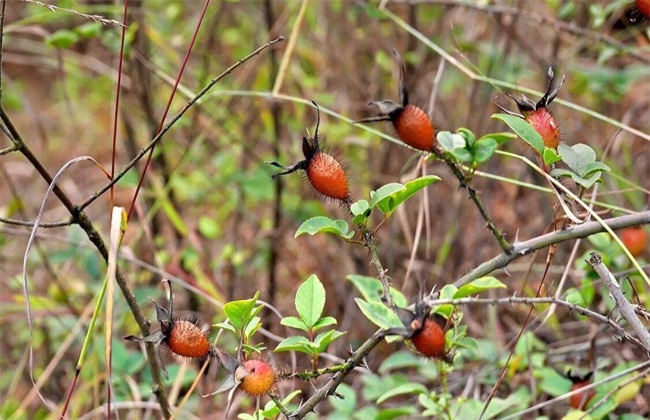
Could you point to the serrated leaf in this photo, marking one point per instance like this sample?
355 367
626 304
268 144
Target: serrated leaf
477 286
239 312
450 141
372 290
406 389
484 149
524 130
326 225
295 343
551 156
561 172
294 322
310 300
379 314
361 211
253 326
324 322
500 138
392 201
577 156
62 38
595 167
324 339
587 182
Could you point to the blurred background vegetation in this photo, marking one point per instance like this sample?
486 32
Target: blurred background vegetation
211 219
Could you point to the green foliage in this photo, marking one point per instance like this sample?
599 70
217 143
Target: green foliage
464 147
524 130
309 302
322 224
243 320
581 160
270 410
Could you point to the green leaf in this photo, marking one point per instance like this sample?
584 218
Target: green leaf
484 149
391 202
551 156
89 30
500 138
450 141
551 382
62 38
271 410
577 156
463 155
469 136
310 300
384 192
400 360
253 326
239 312
294 322
477 286
595 167
295 343
225 326
372 290
361 211
587 182
523 130
379 314
324 339
324 322
447 292
406 389
325 224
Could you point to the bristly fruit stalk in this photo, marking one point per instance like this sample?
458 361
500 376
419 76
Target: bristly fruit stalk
537 115
412 125
324 172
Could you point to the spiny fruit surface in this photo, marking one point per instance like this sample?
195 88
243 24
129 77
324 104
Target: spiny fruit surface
187 339
414 128
327 176
635 240
259 378
547 127
643 6
576 400
430 340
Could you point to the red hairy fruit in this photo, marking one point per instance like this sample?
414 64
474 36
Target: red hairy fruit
643 6
430 339
635 240
187 339
324 172
257 377
327 176
547 127
536 113
412 124
580 400
414 128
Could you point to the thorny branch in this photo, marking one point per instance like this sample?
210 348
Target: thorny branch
624 307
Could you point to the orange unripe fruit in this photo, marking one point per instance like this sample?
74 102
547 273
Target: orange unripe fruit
643 6
327 176
579 401
258 377
187 339
547 127
635 240
414 128
430 340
